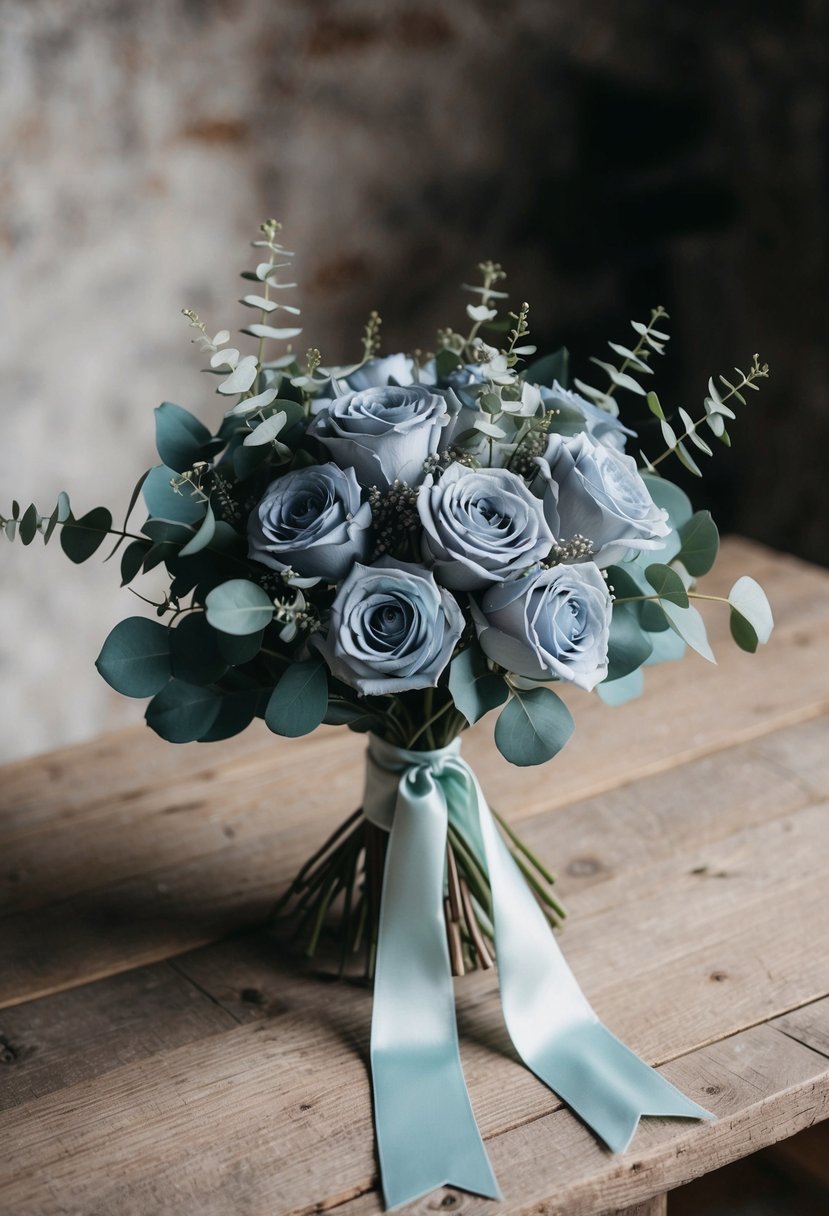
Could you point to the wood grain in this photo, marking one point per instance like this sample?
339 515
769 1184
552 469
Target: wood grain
150 1063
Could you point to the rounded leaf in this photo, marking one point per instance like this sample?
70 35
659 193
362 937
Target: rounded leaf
532 727
300 699
135 658
239 607
182 713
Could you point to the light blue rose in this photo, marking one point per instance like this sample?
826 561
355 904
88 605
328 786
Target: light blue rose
553 624
576 413
313 521
392 629
592 490
480 526
384 433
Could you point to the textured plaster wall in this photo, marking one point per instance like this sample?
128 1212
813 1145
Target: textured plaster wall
612 155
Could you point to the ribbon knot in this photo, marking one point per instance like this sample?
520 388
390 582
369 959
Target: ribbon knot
426 1132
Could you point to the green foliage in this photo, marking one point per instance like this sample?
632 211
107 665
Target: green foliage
475 687
240 703
182 712
298 703
619 692
700 544
532 727
550 369
667 584
690 626
629 647
135 658
194 651
631 364
238 649
751 616
181 440
80 538
163 502
239 607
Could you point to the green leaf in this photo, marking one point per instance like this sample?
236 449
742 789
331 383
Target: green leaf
240 649
690 626
668 496
135 658
239 607
130 506
180 438
549 369
204 535
182 713
700 544
61 512
748 599
164 503
618 692
446 362
28 525
667 584
239 706
628 646
475 688
623 582
194 651
532 727
743 632
132 560
355 717
300 699
79 538
687 459
655 406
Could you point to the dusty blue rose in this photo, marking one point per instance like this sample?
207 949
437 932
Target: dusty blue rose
392 629
576 413
594 491
313 521
553 624
384 433
480 526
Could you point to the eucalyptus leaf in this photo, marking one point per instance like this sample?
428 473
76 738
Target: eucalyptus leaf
182 712
162 500
194 651
743 632
80 538
204 535
549 369
28 524
132 559
690 626
299 702
180 438
532 727
239 607
700 544
628 646
239 649
618 692
749 600
475 688
667 584
135 658
237 710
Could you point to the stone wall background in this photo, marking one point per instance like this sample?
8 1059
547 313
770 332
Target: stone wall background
611 154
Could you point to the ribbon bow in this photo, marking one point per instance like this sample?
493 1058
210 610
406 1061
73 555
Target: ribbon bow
426 1131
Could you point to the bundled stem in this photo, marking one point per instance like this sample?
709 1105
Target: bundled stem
335 897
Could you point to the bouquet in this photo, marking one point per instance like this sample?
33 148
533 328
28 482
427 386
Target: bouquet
402 546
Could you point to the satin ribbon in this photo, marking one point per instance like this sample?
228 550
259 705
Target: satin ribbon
426 1131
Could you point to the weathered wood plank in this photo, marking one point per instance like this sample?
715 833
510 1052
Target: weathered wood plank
605 841
209 1131
47 1045
810 1023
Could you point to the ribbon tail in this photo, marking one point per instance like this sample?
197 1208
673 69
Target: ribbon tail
426 1131
549 1019
607 1085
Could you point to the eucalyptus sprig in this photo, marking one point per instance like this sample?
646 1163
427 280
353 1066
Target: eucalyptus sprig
651 341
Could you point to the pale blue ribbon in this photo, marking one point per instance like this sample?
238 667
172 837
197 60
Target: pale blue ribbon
426 1132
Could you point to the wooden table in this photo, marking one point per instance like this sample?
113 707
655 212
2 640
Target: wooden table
159 1055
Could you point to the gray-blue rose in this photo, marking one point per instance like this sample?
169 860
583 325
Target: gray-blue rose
313 521
392 629
592 490
575 413
553 624
480 526
384 433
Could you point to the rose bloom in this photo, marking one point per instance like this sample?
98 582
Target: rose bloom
593 490
313 521
391 629
553 624
384 433
480 526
